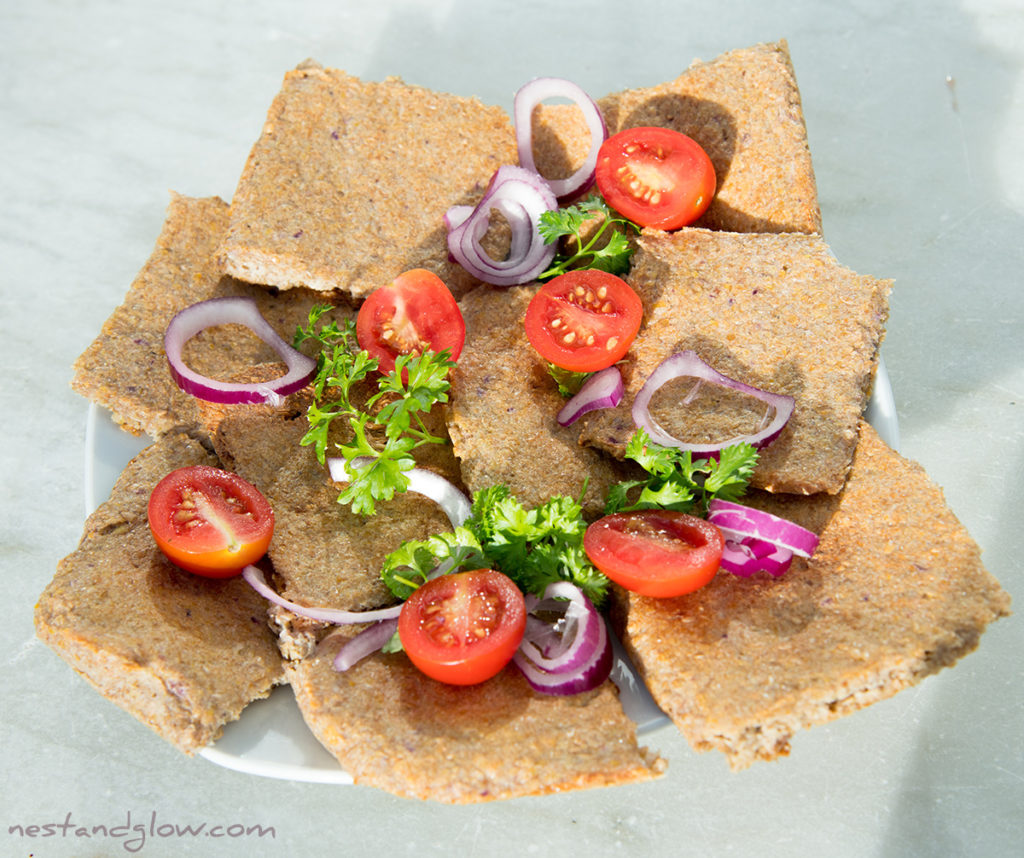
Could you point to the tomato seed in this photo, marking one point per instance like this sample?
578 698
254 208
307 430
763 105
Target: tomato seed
612 343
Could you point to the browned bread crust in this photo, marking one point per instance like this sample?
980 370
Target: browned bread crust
502 413
774 311
895 591
125 368
181 653
394 728
349 182
743 108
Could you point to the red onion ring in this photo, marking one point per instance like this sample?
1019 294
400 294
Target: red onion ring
526 99
731 517
258 582
367 642
757 541
578 659
521 196
602 390
687 364
745 556
243 311
421 481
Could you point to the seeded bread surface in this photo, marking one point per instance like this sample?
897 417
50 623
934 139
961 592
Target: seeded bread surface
349 181
503 406
895 591
776 312
393 728
182 653
743 108
125 368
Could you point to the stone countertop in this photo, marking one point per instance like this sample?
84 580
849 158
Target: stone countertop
916 125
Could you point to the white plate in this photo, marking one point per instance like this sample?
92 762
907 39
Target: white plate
271 739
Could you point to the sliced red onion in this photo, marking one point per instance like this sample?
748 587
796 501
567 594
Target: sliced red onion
575 658
370 640
745 556
757 541
687 364
242 311
421 481
602 390
734 518
532 94
521 196
327 615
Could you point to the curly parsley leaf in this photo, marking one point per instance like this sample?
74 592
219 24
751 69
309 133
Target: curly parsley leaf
417 561
677 481
534 547
387 426
571 222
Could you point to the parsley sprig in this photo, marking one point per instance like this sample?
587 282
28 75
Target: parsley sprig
569 222
677 481
534 547
386 425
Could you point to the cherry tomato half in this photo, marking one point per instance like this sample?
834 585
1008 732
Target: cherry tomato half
584 320
655 552
210 522
416 312
463 628
656 177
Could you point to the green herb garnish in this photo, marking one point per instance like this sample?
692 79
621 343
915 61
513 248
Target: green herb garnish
534 547
569 381
386 425
568 222
679 482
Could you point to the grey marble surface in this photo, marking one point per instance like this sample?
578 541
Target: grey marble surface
915 113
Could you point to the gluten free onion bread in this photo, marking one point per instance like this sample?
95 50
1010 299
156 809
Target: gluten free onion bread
777 312
744 109
181 653
349 181
394 728
895 591
501 417
125 369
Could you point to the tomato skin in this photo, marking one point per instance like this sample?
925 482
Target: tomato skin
655 552
414 313
210 522
656 177
463 628
584 320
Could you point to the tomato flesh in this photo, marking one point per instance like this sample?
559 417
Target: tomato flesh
584 320
413 314
656 177
463 628
655 552
210 522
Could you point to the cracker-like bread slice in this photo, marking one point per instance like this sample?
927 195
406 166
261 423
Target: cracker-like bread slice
393 728
125 368
743 108
895 591
349 181
324 555
501 417
773 311
181 653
